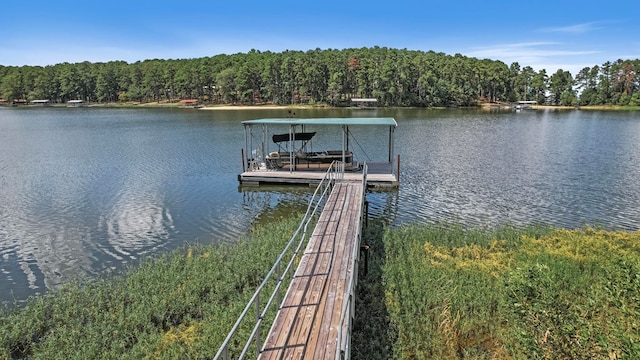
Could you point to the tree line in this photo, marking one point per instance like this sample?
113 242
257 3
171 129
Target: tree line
395 77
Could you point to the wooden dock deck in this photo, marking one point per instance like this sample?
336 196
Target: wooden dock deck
308 324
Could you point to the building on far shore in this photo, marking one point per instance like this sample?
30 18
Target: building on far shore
190 103
74 103
524 105
40 102
364 103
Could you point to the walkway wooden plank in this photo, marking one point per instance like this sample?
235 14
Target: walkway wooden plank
307 323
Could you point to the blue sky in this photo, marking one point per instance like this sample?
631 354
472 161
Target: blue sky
542 34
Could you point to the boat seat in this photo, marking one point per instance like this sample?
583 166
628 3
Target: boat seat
273 161
252 164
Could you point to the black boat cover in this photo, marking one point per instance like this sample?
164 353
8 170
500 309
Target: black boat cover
301 136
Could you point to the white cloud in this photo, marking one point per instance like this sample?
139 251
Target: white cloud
573 29
529 51
539 55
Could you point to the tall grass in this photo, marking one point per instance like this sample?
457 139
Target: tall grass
371 339
512 294
180 305
435 291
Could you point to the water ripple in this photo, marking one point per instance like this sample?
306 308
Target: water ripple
92 191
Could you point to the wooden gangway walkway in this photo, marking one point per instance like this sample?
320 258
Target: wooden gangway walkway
313 321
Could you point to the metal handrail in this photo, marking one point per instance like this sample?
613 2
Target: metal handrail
343 350
334 174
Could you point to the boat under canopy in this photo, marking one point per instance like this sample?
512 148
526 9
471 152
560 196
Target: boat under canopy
284 157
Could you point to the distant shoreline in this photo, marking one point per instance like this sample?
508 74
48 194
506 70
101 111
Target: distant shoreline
483 106
227 107
258 107
487 106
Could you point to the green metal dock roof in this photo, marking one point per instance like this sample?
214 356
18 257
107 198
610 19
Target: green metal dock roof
325 121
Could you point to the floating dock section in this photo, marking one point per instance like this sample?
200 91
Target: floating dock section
380 175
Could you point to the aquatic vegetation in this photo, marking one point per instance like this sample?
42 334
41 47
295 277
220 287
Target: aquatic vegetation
508 293
180 305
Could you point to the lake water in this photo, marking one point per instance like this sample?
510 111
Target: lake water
89 191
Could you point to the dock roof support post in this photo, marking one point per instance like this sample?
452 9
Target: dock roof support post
345 130
250 154
391 144
292 159
246 146
264 142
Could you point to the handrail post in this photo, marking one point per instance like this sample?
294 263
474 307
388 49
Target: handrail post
280 277
258 341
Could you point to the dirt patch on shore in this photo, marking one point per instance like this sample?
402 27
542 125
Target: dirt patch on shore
254 107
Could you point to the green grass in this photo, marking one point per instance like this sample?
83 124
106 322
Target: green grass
181 305
513 294
433 291
371 339
611 107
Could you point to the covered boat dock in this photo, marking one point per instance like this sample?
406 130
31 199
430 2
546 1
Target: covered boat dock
280 151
